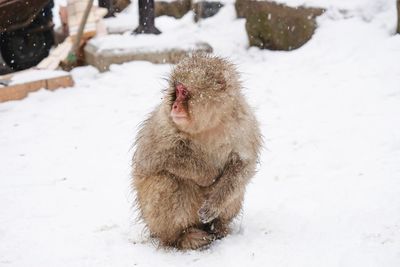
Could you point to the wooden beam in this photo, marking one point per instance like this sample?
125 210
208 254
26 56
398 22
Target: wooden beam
20 91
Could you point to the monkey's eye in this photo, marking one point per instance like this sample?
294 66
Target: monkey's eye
181 91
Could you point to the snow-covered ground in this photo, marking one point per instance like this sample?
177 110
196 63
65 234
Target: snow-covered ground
328 188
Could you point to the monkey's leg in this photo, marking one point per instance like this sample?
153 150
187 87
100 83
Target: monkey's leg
220 226
169 208
194 238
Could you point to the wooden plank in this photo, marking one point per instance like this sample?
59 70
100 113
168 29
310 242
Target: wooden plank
59 82
20 91
56 55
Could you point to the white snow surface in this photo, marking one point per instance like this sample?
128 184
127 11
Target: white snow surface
342 4
126 42
35 75
327 191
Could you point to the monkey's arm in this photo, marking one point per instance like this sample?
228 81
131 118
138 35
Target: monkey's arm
229 186
179 160
187 164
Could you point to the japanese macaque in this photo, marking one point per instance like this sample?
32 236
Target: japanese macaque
195 155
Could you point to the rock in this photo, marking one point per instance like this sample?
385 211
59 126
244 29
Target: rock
179 8
398 16
204 9
120 5
176 9
242 7
275 26
103 58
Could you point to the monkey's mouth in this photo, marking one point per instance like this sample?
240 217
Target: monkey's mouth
179 119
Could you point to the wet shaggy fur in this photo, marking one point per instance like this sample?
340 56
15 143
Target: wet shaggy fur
190 180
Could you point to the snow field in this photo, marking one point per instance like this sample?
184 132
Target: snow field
327 192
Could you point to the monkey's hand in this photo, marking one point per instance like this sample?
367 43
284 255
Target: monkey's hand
208 212
228 186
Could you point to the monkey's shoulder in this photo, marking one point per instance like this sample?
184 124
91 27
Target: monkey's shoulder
246 140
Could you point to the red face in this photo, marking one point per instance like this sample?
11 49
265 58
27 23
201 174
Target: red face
179 110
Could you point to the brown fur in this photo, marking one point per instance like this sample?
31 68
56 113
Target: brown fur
190 180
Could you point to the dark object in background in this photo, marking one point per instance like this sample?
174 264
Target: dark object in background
176 9
179 8
113 6
146 18
205 9
26 32
119 5
398 16
276 26
110 7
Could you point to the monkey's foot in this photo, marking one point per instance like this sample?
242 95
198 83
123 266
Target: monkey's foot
194 238
217 228
208 212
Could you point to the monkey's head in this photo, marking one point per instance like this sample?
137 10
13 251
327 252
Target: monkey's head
202 94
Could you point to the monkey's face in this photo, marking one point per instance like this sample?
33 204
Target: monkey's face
179 108
201 94
196 109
